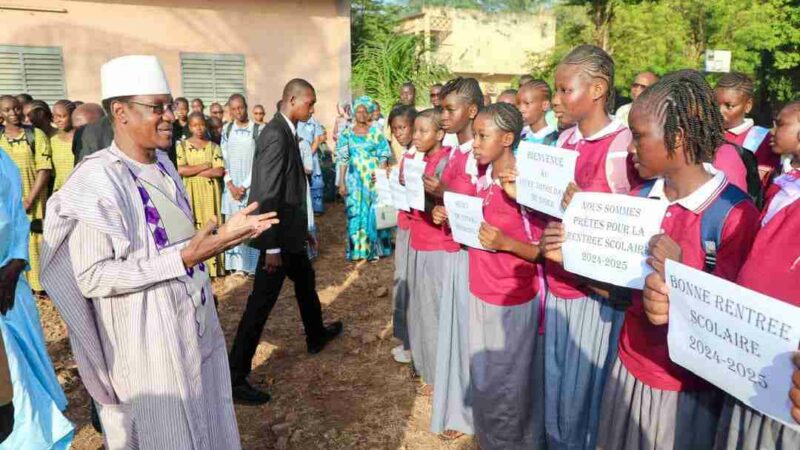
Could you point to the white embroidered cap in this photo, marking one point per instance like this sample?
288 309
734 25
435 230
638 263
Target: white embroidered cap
133 75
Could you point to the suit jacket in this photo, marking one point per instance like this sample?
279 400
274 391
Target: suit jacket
97 136
279 184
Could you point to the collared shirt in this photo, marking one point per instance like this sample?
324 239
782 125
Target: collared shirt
742 127
643 348
291 125
616 166
773 265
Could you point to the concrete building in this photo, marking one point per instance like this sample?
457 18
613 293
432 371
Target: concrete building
210 49
491 47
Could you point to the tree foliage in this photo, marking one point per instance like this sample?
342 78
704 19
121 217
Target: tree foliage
662 36
390 60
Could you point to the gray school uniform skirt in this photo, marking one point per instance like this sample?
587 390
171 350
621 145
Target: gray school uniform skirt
580 346
404 259
452 402
423 312
742 428
503 364
636 416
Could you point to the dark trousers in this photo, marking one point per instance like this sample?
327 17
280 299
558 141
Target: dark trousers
266 288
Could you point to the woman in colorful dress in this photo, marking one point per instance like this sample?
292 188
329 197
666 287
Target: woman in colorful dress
30 149
61 142
201 166
362 149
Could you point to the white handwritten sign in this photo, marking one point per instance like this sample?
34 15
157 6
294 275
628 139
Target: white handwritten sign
737 339
382 188
415 187
607 236
465 215
544 173
398 191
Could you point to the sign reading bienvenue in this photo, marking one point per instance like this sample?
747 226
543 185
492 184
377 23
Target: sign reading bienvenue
544 173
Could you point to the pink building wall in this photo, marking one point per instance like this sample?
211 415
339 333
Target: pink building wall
280 40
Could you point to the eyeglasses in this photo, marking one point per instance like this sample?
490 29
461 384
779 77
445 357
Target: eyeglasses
156 109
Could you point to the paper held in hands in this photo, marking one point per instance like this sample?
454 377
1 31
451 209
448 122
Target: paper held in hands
465 215
415 187
737 339
383 188
398 191
607 236
544 173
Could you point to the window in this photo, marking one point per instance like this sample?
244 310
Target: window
212 77
38 71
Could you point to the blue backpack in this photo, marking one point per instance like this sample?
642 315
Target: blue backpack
713 219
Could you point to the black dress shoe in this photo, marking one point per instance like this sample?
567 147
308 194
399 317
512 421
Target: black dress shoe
244 394
329 333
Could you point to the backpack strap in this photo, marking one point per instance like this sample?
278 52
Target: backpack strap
646 188
755 136
30 136
228 130
551 139
440 166
713 221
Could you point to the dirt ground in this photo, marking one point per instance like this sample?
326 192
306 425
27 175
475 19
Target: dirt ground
353 395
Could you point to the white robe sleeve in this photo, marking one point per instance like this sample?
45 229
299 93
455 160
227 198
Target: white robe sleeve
99 274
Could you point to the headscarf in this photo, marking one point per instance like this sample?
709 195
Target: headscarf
365 101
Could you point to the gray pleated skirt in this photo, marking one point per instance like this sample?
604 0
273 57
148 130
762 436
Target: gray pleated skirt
503 364
742 428
636 416
404 259
452 401
423 312
580 347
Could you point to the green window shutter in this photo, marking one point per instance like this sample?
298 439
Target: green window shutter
38 71
212 77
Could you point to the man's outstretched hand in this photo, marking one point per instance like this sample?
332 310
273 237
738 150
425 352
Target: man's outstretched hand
211 241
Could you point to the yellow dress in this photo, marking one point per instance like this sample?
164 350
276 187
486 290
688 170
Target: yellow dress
205 194
63 160
29 164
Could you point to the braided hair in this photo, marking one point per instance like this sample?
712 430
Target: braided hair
594 63
737 81
683 101
405 111
434 115
466 88
539 85
67 104
41 116
507 118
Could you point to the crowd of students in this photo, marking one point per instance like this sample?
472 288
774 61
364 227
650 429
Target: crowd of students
213 154
524 354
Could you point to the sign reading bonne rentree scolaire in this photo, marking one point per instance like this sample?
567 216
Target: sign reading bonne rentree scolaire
544 173
415 187
607 236
398 191
737 339
465 215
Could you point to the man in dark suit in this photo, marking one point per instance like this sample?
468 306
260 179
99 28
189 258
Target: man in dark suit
279 184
